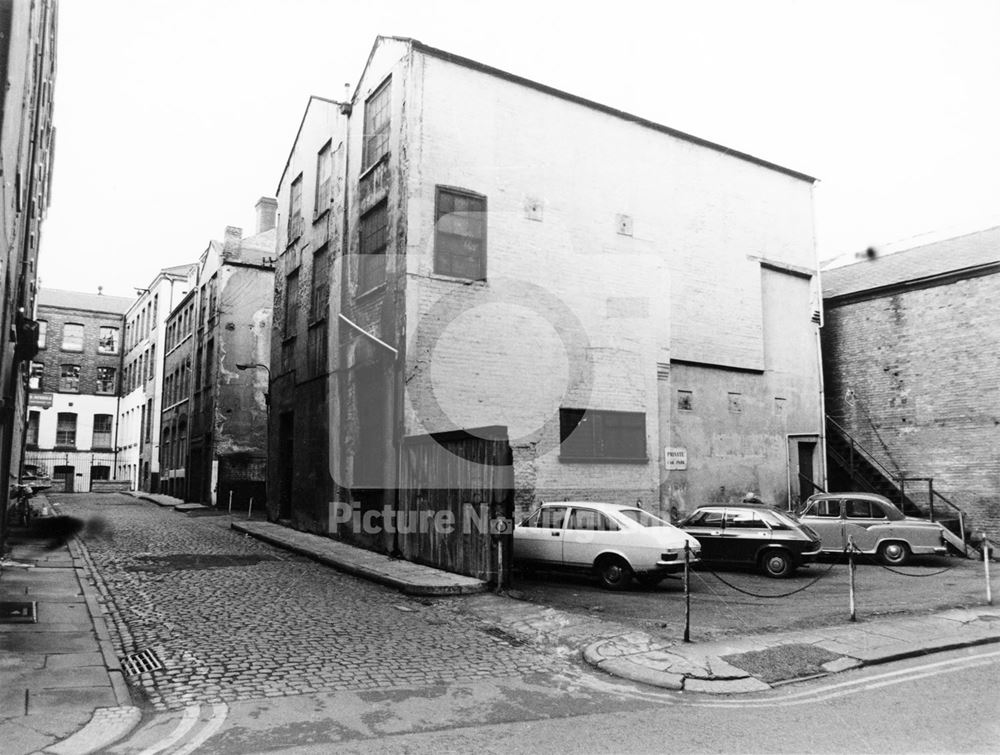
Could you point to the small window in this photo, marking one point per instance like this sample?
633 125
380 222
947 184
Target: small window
374 240
460 234
588 519
66 429
376 131
532 519
72 339
685 401
106 380
107 340
596 435
552 518
43 329
102 431
324 171
69 378
36 376
735 403
827 509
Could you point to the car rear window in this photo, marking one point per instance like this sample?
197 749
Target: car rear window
864 510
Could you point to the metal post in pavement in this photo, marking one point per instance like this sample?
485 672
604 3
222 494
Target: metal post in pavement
687 592
250 508
851 567
986 568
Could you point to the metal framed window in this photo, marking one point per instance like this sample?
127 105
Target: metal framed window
106 382
295 209
320 291
102 431
43 328
36 376
66 429
324 172
374 240
602 436
460 234
72 337
376 133
69 378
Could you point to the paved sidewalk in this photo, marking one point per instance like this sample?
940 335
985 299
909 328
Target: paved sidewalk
757 663
61 685
406 576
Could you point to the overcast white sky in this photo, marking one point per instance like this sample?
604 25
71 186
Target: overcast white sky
174 116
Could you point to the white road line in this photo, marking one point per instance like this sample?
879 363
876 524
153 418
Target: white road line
189 719
219 713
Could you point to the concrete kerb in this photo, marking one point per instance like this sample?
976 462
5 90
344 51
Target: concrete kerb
624 657
421 582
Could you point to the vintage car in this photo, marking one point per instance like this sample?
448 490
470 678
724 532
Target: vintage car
615 541
752 534
873 524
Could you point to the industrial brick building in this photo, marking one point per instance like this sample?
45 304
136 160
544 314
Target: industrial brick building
28 62
142 378
912 361
213 425
490 293
74 383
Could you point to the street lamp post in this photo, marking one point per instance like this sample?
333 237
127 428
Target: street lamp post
267 418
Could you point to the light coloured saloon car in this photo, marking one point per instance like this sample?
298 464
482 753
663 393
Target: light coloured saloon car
873 524
614 541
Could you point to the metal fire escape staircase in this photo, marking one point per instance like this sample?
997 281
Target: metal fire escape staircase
869 475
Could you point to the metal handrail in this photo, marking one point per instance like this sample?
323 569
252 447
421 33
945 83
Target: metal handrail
864 451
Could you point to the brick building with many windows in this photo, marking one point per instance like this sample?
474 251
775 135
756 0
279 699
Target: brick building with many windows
73 387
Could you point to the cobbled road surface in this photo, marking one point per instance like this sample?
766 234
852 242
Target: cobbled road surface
232 618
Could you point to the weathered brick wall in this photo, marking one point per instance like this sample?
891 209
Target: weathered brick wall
53 356
914 377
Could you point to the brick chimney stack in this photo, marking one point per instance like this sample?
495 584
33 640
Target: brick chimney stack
231 244
267 210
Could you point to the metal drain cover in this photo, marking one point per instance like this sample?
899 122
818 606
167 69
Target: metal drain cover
140 663
19 613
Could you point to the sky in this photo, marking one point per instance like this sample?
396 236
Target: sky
174 116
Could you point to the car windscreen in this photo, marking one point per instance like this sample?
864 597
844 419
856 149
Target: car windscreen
643 519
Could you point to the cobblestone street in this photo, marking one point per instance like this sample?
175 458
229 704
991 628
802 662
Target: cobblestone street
235 619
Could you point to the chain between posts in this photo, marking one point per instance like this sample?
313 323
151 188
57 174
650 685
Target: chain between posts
780 595
871 560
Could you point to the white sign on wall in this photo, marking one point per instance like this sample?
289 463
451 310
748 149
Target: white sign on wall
675 458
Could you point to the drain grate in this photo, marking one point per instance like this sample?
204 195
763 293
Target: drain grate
140 663
19 613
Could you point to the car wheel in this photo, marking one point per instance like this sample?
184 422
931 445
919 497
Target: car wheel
894 553
615 574
777 564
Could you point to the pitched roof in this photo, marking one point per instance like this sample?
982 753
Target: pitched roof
54 297
961 253
474 65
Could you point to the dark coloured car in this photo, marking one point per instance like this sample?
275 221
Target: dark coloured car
753 535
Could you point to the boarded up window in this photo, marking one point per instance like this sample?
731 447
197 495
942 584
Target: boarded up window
72 339
607 436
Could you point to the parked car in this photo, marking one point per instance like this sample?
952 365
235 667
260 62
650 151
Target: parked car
752 534
615 541
874 524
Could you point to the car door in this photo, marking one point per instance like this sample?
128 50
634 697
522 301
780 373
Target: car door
743 534
860 516
823 516
539 538
706 526
588 533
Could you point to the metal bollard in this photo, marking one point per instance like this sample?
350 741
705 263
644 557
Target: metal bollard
230 501
687 592
250 508
986 568
851 568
